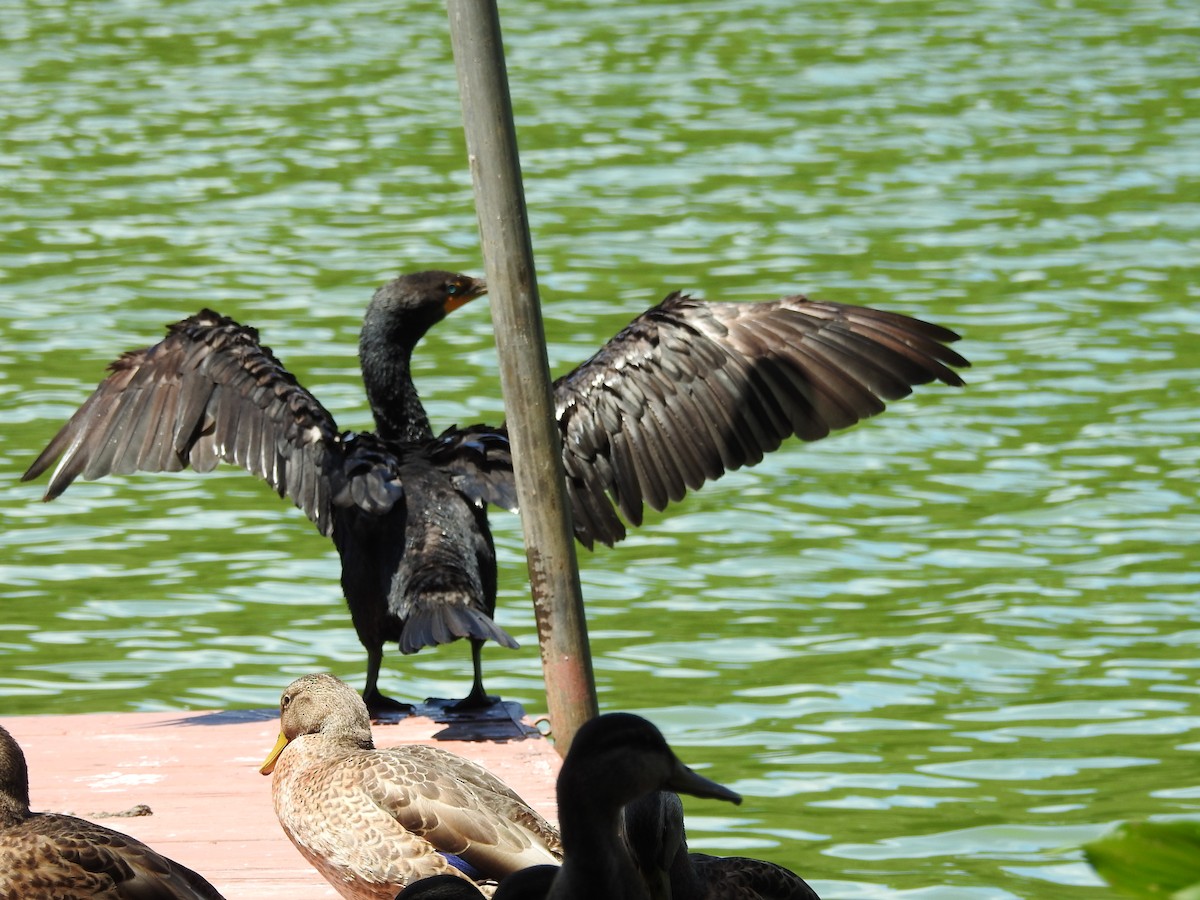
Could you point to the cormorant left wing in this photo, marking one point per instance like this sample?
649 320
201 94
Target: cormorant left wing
209 391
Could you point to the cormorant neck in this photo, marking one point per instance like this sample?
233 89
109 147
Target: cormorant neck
387 376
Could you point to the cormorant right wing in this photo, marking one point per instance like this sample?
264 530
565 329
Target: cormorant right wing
208 392
692 389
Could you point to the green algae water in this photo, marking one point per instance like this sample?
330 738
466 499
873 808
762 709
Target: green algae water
935 653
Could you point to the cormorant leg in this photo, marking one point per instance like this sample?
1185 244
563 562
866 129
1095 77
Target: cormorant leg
376 702
478 698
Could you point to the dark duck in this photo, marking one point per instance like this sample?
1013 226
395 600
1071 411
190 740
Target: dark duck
48 856
615 759
657 843
688 390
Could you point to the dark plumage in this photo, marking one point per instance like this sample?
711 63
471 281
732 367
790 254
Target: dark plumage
613 760
655 836
530 883
689 390
440 887
45 856
405 509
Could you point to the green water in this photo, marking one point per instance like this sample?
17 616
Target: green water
935 653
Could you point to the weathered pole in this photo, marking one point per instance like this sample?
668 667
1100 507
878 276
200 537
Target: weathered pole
524 366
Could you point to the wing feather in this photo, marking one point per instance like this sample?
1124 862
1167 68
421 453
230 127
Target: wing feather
460 808
159 453
208 392
51 855
691 389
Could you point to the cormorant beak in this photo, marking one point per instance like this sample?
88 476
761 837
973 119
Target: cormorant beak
273 757
476 288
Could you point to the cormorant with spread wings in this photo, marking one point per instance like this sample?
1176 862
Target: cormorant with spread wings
688 390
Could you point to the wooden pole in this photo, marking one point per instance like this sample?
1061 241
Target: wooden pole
524 367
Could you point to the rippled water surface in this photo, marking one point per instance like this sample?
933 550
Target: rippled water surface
935 653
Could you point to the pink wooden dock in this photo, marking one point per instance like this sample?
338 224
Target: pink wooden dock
211 809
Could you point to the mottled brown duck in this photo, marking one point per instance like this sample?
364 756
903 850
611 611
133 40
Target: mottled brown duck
373 820
46 856
688 390
657 842
613 760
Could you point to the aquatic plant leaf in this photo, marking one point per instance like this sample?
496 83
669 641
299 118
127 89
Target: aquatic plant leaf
1150 859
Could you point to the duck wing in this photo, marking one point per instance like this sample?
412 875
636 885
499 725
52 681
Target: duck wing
62 857
210 392
741 878
460 808
692 389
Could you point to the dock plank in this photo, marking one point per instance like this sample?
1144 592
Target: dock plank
211 809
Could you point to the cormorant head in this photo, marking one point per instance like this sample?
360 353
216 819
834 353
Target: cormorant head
406 307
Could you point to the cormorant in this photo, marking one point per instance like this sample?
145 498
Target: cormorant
688 390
